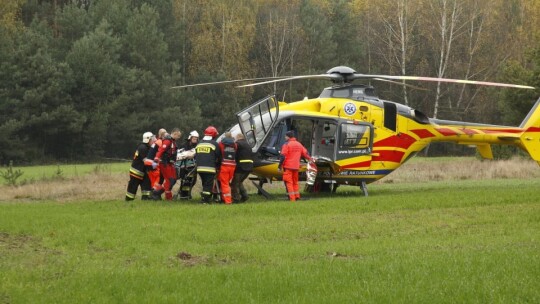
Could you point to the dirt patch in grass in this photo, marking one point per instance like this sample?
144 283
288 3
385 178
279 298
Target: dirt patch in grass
187 259
13 244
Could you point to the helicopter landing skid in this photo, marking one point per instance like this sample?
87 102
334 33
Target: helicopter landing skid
363 187
261 190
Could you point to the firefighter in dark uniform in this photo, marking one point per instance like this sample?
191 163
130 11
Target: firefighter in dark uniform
137 172
208 159
244 166
166 157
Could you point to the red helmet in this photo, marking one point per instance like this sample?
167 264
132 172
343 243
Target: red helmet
211 131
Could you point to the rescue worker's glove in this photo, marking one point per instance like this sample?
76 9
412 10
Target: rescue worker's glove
154 165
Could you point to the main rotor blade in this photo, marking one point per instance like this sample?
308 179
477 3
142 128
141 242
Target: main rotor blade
321 76
435 79
401 84
224 82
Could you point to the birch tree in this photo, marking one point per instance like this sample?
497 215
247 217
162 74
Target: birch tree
448 14
278 35
398 22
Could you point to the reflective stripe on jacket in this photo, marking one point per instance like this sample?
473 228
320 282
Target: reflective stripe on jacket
244 156
138 169
207 156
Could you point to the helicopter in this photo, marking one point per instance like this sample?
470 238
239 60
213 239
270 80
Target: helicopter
356 138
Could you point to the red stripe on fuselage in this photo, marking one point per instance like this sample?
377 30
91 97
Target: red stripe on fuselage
357 165
468 131
392 156
402 140
533 129
447 132
501 131
423 133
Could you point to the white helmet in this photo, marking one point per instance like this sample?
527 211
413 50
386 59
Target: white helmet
146 137
193 134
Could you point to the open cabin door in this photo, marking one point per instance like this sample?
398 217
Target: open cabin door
257 120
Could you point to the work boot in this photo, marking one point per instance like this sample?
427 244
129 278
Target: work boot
155 197
156 194
205 198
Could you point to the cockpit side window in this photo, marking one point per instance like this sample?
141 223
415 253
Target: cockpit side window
355 136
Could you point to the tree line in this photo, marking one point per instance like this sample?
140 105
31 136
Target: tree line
83 79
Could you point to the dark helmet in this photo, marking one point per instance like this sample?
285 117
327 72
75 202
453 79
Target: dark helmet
211 131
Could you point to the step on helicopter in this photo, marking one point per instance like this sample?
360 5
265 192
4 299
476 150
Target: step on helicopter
356 138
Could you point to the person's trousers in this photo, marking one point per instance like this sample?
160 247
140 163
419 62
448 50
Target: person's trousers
290 177
226 174
133 185
207 180
168 172
154 176
238 190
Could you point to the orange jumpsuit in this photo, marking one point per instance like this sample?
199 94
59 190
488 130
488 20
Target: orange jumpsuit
228 149
291 153
153 174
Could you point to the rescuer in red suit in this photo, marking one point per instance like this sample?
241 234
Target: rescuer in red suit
227 148
289 162
166 157
153 172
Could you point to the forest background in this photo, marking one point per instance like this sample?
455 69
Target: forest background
81 80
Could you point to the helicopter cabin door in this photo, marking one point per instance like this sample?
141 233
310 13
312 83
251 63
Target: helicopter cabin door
355 143
257 120
324 140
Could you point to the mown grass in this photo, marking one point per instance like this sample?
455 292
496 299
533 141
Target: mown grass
431 242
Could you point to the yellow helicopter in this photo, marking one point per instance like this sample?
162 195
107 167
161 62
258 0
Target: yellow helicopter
357 138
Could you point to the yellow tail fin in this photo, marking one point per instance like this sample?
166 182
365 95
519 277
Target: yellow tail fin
530 139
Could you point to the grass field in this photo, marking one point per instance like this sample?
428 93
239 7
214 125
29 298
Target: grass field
440 241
